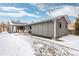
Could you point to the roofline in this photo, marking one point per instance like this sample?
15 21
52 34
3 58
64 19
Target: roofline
44 21
10 23
52 19
41 22
18 25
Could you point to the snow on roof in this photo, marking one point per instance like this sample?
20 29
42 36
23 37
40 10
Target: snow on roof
17 23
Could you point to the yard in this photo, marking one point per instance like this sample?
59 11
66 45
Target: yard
27 45
12 45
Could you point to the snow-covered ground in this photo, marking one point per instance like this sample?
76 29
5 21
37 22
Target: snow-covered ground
66 45
71 41
12 45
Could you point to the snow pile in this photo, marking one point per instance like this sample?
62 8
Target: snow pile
11 45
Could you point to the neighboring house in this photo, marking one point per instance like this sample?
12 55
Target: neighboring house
16 27
71 27
53 28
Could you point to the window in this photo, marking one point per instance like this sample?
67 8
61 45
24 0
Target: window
60 25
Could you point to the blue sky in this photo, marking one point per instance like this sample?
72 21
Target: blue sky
36 11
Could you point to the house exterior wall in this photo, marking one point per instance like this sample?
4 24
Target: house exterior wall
15 29
63 30
43 29
51 29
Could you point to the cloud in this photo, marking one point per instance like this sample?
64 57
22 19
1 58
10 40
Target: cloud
19 12
40 6
47 6
67 10
11 8
37 13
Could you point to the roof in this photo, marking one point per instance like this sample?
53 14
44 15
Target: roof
51 19
67 19
17 23
43 21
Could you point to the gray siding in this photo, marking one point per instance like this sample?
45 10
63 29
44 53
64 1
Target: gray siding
47 29
63 30
51 29
43 29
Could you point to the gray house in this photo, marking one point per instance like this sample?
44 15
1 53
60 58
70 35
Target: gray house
53 28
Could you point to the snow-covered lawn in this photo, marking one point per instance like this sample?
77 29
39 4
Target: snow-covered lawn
66 45
12 45
71 41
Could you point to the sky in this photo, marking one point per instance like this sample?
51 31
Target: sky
27 12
